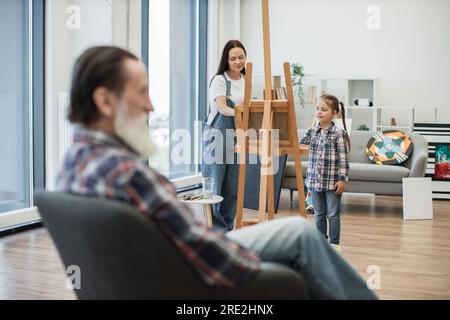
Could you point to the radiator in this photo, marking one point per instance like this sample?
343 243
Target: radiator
65 128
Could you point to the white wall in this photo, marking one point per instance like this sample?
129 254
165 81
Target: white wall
223 25
409 54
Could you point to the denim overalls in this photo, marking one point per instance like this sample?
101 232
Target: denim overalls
220 162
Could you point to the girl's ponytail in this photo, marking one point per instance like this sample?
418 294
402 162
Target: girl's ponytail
347 138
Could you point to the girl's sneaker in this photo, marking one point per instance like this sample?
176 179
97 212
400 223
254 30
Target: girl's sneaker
336 247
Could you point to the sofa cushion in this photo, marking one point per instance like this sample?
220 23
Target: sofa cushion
289 171
374 172
361 172
359 141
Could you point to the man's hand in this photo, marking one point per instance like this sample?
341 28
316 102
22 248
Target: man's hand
340 187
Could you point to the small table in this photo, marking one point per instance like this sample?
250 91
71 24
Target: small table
207 207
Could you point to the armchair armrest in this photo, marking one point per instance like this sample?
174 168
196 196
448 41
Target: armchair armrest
417 163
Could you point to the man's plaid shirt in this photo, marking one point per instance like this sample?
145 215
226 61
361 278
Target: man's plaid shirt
328 157
98 165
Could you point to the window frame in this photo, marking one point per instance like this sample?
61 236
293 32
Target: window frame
38 93
199 96
199 89
26 216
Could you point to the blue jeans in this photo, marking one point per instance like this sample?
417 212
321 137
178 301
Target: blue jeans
327 205
294 242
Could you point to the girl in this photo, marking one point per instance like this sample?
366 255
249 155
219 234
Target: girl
328 166
219 160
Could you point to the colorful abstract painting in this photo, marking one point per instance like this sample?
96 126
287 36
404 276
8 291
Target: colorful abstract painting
442 162
389 147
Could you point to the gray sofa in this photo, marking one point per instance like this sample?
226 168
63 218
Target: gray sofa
365 176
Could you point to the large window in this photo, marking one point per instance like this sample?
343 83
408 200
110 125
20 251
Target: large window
177 77
175 45
71 27
15 107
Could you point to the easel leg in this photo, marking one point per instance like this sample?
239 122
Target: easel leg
262 197
265 152
241 190
271 204
270 179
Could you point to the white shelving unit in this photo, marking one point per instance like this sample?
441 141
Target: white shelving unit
376 116
311 88
346 90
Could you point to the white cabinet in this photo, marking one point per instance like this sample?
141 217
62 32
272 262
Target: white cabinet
350 89
347 90
361 88
387 117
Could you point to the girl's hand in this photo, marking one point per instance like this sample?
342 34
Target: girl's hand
340 187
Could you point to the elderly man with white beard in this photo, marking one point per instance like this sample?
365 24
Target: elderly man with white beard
110 106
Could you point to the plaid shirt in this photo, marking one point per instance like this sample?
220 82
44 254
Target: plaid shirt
328 157
98 165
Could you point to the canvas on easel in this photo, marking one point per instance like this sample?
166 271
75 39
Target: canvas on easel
274 128
252 181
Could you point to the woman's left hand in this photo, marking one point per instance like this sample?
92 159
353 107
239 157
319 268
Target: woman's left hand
340 187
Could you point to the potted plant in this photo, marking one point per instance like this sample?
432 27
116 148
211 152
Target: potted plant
297 76
363 127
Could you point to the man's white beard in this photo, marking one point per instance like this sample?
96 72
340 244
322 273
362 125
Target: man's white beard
134 131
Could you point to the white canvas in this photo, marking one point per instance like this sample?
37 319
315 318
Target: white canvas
417 199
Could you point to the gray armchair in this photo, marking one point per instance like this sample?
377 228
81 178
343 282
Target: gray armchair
123 255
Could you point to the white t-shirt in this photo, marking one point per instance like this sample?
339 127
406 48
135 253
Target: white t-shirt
219 88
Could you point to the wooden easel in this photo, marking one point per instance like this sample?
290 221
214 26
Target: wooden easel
273 111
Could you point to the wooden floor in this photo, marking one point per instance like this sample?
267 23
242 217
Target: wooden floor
413 256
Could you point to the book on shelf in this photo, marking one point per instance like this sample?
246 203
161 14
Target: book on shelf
312 94
277 93
276 81
280 93
279 90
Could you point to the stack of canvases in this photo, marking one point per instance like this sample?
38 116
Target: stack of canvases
438 137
